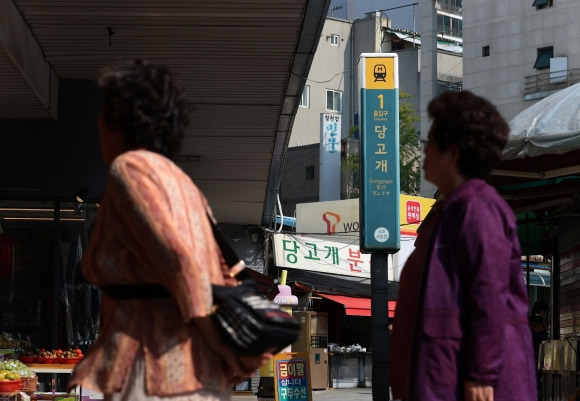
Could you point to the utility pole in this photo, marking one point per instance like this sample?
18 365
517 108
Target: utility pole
332 9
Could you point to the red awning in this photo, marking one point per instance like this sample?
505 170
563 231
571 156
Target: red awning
357 306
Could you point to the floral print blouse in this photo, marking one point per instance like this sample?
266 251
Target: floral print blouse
153 227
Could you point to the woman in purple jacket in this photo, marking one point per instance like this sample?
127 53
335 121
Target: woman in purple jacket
461 330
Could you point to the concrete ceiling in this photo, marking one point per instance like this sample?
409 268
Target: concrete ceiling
243 65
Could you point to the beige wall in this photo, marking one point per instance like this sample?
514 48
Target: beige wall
449 67
514 31
327 72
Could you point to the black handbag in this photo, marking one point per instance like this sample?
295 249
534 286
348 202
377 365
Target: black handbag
250 323
247 320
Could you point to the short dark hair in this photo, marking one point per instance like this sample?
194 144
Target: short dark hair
474 125
146 104
539 306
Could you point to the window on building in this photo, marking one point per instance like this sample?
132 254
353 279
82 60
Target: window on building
334 40
449 26
309 172
454 3
543 58
305 99
454 6
443 86
397 44
485 51
539 4
334 100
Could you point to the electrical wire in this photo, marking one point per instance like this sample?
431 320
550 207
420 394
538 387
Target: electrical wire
452 68
301 163
322 82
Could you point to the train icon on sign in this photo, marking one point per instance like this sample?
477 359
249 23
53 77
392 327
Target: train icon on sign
380 72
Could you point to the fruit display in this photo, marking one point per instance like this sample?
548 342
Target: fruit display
10 373
49 354
11 366
72 353
8 386
8 340
30 353
28 356
41 355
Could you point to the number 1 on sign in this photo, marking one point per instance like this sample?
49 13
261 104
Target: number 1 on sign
380 101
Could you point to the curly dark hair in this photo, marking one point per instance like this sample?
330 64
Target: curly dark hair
144 102
474 125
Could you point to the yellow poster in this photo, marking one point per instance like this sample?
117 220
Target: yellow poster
380 73
412 212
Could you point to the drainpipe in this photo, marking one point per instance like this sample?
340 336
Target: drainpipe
352 77
555 291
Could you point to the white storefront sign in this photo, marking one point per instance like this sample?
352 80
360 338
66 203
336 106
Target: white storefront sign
342 216
307 253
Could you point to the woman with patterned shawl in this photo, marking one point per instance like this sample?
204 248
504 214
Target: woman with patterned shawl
154 228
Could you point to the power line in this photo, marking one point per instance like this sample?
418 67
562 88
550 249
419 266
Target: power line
322 82
301 163
393 8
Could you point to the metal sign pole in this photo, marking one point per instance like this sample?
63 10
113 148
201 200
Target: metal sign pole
380 195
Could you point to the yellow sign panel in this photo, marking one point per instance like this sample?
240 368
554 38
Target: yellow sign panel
380 73
412 212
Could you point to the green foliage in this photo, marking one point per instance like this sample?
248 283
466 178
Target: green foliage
352 162
409 151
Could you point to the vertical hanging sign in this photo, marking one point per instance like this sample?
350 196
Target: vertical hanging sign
329 180
379 152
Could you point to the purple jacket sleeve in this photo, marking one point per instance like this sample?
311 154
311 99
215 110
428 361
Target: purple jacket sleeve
484 250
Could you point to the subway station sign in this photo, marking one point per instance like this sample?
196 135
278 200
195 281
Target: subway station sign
379 152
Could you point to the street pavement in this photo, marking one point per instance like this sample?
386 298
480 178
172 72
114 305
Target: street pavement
331 394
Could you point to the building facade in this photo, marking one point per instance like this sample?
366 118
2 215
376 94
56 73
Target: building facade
332 87
440 20
518 52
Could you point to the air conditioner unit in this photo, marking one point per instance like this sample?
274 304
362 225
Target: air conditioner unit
558 69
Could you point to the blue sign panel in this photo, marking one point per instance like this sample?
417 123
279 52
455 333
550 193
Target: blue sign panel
379 154
292 377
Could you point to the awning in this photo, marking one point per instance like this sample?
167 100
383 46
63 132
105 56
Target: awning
355 287
538 279
413 37
539 273
357 306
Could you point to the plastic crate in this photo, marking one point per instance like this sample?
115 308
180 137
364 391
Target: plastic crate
29 384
